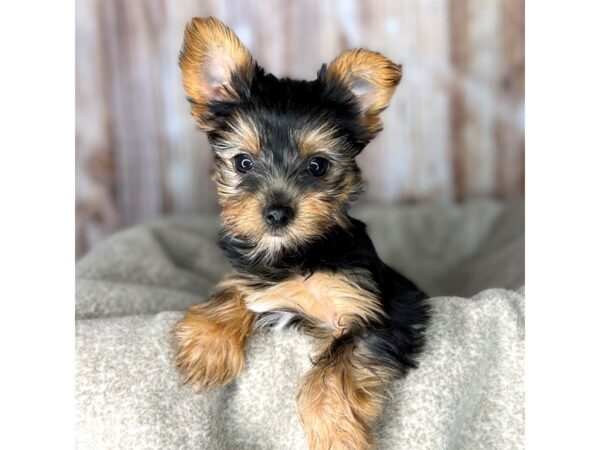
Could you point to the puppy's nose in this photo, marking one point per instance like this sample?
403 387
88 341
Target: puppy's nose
278 216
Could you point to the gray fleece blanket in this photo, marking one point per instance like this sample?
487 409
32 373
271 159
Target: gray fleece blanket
466 394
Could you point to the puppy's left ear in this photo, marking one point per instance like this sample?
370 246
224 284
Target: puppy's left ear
215 66
372 80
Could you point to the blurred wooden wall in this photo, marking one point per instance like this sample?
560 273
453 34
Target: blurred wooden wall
455 129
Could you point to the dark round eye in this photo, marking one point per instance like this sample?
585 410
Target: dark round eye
243 163
317 166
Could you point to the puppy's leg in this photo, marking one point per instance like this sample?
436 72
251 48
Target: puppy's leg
341 396
211 338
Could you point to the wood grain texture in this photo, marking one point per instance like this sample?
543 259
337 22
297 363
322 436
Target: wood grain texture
454 130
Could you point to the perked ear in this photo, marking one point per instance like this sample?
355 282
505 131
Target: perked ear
215 66
371 77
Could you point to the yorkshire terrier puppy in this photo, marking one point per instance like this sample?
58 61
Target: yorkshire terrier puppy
285 168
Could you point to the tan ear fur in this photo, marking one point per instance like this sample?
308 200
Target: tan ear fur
210 57
371 77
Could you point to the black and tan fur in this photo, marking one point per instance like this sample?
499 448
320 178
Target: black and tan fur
319 270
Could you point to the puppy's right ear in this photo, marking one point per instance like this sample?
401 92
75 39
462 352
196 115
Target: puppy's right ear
215 66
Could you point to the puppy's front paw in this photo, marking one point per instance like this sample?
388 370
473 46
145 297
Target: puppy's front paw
332 425
336 409
208 353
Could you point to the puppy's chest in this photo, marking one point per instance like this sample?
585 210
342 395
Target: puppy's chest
327 300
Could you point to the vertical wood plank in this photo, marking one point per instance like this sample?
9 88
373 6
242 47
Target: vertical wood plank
475 23
97 211
509 128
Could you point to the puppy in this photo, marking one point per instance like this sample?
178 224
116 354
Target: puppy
286 173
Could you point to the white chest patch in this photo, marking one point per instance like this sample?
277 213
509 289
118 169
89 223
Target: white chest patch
276 320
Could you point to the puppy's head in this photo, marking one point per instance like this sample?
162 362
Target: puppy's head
284 149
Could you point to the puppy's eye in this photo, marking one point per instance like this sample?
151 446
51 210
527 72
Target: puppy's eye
317 166
243 163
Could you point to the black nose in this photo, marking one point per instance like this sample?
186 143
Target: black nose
278 216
